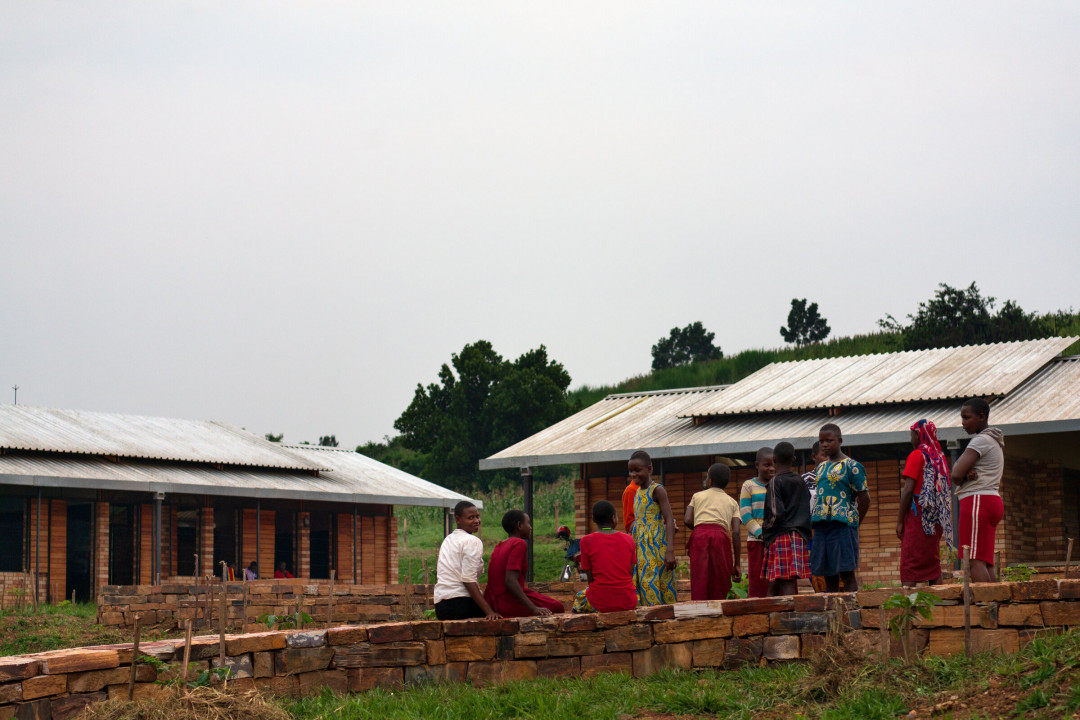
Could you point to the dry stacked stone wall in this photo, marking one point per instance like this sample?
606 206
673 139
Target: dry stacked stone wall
713 634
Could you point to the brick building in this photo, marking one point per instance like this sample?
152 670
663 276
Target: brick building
92 499
1034 396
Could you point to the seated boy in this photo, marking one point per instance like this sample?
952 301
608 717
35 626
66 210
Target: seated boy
608 558
713 547
506 591
461 561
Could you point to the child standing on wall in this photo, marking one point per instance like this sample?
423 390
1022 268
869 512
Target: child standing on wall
461 562
506 591
839 508
925 511
752 512
713 546
608 558
786 529
654 535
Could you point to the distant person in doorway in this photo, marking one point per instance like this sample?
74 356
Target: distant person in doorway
282 571
251 572
654 535
977 476
841 503
507 592
713 546
230 571
752 513
461 562
925 512
786 528
608 558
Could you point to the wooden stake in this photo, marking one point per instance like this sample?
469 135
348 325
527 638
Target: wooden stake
998 564
966 567
187 654
299 609
556 512
247 600
1068 558
35 590
405 533
330 607
221 626
134 658
884 642
72 597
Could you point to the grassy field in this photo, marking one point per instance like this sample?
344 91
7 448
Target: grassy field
1039 682
421 546
25 630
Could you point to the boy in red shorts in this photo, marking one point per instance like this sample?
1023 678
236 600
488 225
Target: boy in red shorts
977 476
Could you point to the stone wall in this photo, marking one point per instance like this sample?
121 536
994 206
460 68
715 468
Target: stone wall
186 599
714 634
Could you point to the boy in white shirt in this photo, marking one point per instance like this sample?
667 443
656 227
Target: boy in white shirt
461 561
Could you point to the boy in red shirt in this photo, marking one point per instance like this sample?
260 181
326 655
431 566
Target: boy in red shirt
506 591
608 558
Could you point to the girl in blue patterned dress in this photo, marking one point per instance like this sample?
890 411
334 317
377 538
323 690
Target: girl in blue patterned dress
654 535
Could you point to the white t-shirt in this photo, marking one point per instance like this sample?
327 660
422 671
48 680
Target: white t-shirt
990 466
461 560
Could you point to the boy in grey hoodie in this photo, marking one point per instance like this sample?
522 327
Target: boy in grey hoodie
977 477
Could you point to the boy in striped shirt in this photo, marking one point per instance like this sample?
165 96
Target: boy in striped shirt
752 513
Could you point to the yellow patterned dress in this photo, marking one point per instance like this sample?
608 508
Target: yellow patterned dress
655 585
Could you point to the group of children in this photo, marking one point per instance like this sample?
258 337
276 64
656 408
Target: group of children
798 526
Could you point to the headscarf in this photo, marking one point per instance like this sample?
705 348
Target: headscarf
935 500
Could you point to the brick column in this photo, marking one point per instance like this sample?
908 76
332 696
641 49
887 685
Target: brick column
206 542
101 547
303 544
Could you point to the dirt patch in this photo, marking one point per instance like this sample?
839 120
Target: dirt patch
203 703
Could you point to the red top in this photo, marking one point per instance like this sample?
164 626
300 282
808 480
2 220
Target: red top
611 559
510 554
279 574
913 469
628 505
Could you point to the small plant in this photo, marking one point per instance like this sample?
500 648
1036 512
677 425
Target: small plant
911 607
1017 573
739 589
285 622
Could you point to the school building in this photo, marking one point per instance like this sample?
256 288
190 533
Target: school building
89 499
1034 396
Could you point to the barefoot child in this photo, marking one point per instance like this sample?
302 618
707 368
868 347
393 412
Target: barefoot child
839 508
461 561
925 508
654 535
786 530
506 591
977 475
607 559
714 518
752 512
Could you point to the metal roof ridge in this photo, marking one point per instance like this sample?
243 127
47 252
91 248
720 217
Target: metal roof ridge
671 391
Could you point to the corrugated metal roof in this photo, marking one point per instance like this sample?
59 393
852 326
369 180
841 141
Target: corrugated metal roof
1047 402
23 427
356 479
990 370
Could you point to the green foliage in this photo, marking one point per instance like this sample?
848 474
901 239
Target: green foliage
1017 573
392 451
684 346
912 606
955 316
740 589
284 622
481 405
274 438
328 441
805 324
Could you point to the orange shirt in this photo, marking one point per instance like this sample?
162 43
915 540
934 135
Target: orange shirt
628 504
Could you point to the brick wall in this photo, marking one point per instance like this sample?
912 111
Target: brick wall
206 541
639 642
303 544
101 545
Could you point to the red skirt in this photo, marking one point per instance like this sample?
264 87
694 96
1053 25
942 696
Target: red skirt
711 562
787 558
920 554
757 585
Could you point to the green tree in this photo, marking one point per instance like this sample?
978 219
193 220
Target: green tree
683 346
327 441
955 316
393 452
274 438
805 324
481 404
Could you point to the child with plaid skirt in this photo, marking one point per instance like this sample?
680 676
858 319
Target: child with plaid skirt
786 530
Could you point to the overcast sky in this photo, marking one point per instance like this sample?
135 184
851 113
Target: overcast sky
286 215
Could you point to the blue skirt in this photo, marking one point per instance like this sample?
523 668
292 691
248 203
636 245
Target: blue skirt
835 548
